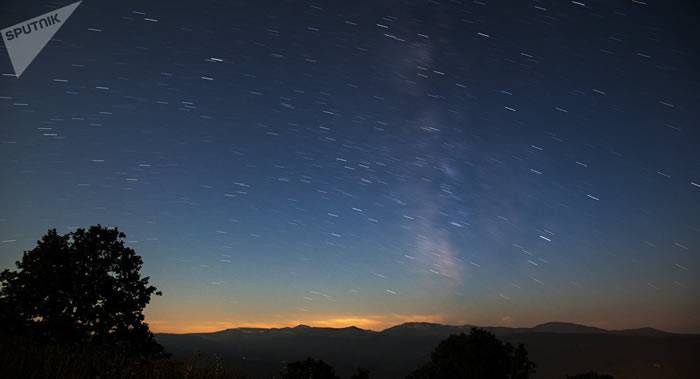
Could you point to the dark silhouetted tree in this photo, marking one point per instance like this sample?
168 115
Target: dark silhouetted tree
590 375
477 355
360 373
84 287
309 369
521 366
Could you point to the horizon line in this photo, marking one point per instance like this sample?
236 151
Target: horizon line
379 330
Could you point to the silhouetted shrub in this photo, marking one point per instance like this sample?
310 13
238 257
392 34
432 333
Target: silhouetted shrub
360 373
591 375
79 289
477 355
309 369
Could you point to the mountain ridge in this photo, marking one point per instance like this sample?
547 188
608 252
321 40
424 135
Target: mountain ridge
417 327
558 348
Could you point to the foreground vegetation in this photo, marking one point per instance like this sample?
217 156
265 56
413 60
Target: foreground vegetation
25 358
22 357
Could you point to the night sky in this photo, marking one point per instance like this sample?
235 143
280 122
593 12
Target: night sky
368 163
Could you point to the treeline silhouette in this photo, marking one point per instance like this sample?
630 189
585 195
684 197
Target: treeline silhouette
73 308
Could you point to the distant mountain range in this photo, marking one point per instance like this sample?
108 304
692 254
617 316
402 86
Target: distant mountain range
549 327
558 348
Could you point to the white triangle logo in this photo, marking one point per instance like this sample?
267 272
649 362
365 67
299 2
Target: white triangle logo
25 40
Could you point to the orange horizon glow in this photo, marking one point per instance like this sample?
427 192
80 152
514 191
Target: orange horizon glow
371 322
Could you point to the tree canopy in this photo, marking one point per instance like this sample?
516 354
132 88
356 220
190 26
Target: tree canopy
81 287
476 355
309 369
360 373
590 375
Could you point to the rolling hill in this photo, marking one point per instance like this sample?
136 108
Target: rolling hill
557 348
